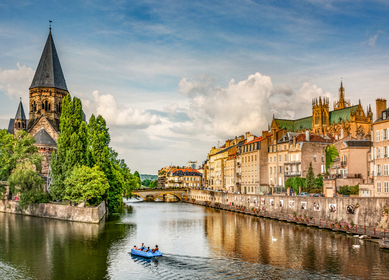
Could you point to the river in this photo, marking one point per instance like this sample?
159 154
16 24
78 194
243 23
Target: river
197 242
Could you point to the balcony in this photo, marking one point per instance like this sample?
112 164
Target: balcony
292 173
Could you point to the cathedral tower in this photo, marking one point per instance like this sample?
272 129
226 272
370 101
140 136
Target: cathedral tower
320 114
48 87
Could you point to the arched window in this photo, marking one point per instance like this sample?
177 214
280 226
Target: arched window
18 124
49 107
46 106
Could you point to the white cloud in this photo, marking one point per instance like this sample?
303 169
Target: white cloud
119 115
15 82
247 105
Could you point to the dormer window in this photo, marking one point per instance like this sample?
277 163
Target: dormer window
384 115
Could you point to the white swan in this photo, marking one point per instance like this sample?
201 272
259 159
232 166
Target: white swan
273 239
356 246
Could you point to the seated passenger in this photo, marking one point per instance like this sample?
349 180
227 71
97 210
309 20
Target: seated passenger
155 249
142 247
148 249
135 248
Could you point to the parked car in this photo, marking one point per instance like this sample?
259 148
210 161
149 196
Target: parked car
304 194
269 193
237 192
318 195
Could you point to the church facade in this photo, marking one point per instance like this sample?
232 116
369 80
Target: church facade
47 90
344 121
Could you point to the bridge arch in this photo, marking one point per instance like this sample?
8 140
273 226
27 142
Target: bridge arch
134 193
161 194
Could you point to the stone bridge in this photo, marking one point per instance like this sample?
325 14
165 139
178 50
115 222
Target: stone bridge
152 195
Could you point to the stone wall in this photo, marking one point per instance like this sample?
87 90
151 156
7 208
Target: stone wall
369 212
54 211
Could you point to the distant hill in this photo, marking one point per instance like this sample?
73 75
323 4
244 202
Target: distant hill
147 176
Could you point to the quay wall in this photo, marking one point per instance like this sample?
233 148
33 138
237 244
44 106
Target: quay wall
369 212
54 211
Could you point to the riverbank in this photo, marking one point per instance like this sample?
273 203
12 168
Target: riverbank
55 211
362 216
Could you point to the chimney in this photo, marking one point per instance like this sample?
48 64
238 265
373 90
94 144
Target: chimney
265 133
307 135
380 106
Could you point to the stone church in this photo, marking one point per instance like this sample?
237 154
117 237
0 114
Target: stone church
47 90
344 121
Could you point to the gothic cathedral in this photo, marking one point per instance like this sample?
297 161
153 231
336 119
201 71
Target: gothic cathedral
344 121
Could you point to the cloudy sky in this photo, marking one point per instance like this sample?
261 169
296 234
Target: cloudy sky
172 78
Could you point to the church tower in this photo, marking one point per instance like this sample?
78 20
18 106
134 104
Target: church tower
320 115
342 103
20 122
48 87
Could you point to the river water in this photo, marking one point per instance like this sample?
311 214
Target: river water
197 242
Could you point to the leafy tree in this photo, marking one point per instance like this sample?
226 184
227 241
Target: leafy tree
136 174
331 154
71 145
319 182
26 181
295 183
85 184
310 178
16 150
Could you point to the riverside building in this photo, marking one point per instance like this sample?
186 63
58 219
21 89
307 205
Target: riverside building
380 151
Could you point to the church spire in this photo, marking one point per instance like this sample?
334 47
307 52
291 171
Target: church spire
341 103
20 112
49 71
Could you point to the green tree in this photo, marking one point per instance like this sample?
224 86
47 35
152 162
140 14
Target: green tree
86 184
26 181
319 182
295 183
310 178
72 145
14 151
331 154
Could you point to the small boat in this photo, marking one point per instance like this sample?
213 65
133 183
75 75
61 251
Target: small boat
145 254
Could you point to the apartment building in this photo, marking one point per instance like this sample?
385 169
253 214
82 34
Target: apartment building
380 151
184 178
292 154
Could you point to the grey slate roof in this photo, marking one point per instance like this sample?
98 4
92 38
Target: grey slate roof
11 126
49 71
20 112
381 117
42 137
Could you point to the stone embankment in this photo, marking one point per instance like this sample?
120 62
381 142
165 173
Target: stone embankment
354 215
55 211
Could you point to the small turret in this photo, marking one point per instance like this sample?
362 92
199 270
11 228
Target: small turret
20 122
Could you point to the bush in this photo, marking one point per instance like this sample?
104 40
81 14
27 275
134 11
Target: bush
347 190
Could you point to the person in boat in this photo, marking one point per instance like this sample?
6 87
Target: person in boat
136 248
148 249
155 249
143 247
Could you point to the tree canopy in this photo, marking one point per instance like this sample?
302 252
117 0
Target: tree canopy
82 145
85 183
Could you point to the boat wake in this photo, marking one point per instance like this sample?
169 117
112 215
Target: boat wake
174 266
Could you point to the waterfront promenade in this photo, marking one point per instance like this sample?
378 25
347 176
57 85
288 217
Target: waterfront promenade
368 217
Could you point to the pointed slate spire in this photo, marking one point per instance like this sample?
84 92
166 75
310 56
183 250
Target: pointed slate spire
49 71
20 113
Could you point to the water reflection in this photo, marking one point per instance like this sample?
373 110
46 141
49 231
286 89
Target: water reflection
197 243
54 249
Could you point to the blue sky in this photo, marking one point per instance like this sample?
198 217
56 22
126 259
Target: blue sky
173 78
